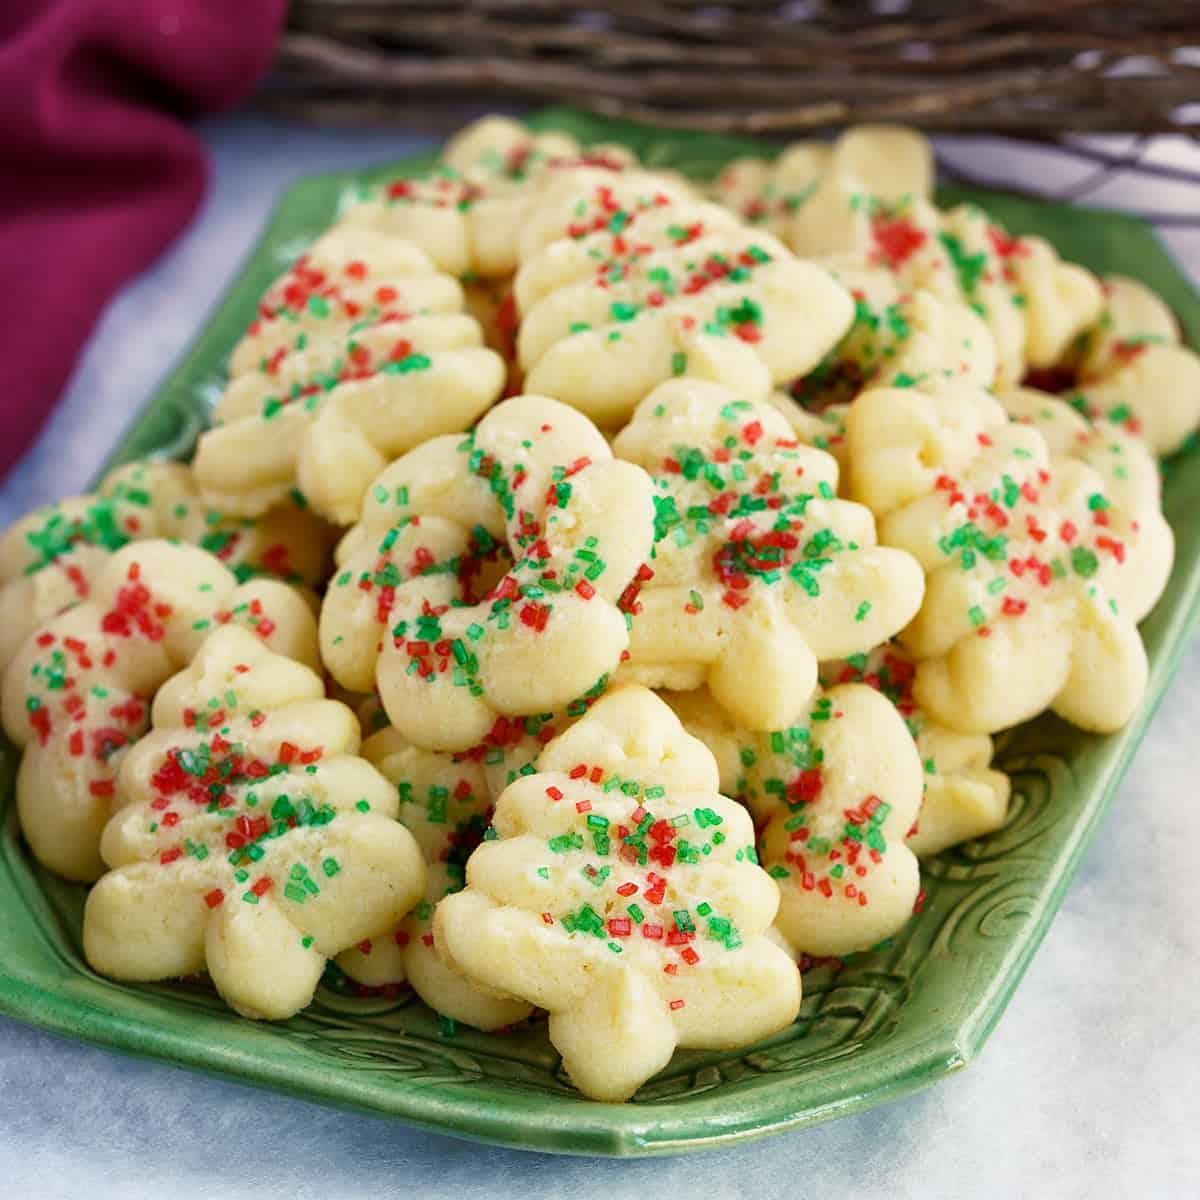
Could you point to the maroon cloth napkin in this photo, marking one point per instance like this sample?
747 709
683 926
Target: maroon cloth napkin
99 171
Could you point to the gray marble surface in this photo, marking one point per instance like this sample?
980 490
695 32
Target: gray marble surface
1089 1086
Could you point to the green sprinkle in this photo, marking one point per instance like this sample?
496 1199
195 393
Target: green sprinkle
1084 562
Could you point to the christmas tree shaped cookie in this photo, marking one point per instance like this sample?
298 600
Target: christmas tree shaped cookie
249 840
358 355
621 894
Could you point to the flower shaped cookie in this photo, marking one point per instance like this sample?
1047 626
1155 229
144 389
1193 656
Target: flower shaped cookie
1033 304
872 209
249 840
759 570
456 643
49 557
1036 578
654 287
833 795
1134 371
621 894
446 803
78 691
360 353
866 202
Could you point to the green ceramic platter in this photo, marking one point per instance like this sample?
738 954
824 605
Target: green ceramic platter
890 1021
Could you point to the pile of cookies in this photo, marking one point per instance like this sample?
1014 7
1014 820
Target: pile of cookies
596 593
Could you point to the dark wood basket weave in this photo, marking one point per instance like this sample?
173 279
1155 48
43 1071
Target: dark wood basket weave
1040 69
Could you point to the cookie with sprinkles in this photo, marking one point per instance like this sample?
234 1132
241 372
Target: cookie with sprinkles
759 571
77 694
824 428
871 207
1035 577
1033 303
49 557
898 338
964 796
890 163
833 795
467 213
768 194
446 802
1132 480
1131 369
487 577
288 542
620 892
360 353
249 839
641 290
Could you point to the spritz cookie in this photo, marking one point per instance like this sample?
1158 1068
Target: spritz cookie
358 354
621 894
965 797
249 840
49 557
834 794
649 288
485 578
759 571
1132 369
467 213
1036 578
78 691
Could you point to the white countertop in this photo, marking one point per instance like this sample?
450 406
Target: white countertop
1089 1086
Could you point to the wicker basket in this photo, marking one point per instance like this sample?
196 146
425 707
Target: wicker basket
1038 69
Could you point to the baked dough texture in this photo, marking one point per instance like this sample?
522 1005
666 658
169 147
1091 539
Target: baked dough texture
359 353
759 571
77 693
645 286
1132 369
487 577
49 557
249 840
806 195
468 214
866 202
446 802
898 338
964 796
833 795
1036 575
621 894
